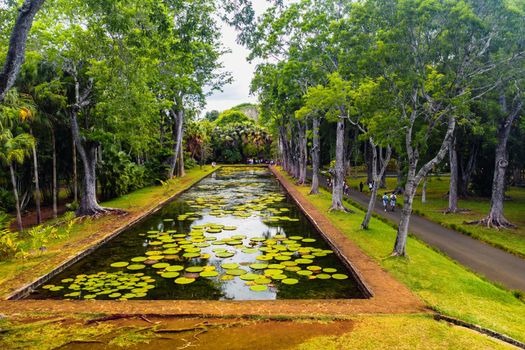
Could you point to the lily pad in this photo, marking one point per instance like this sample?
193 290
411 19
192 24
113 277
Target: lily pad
290 281
119 264
259 288
339 276
134 267
323 276
160 265
139 259
258 266
184 280
194 269
230 266
170 275
236 272
174 268
329 270
209 274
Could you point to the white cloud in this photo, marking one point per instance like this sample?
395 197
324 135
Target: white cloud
235 62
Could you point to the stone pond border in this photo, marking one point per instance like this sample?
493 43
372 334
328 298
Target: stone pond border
386 295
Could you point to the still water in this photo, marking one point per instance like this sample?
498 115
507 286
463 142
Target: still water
233 236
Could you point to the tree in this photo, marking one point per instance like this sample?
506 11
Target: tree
17 44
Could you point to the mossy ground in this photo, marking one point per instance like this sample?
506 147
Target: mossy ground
473 208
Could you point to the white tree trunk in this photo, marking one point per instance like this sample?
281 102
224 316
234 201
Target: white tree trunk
339 173
453 188
17 199
55 187
315 157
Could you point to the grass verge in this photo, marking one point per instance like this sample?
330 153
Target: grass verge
510 240
441 283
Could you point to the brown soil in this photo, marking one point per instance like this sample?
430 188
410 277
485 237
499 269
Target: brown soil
234 334
29 217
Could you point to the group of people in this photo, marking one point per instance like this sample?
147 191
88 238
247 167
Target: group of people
392 199
346 187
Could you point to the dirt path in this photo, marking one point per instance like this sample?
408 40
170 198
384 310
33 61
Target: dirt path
493 263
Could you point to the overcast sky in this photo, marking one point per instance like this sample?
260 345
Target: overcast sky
235 62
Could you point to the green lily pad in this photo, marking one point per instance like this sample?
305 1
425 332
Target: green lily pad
270 272
279 277
276 266
209 274
191 255
308 240
263 280
174 268
258 266
230 266
195 269
236 272
329 270
259 288
224 255
139 259
227 277
169 274
184 280
304 272
249 277
160 265
314 268
136 267
290 281
323 276
339 276
304 261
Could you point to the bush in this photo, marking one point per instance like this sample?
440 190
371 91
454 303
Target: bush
119 175
9 242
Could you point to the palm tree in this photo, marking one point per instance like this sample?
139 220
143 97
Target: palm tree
14 149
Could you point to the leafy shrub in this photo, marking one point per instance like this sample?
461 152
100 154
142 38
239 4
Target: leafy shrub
9 242
189 163
119 175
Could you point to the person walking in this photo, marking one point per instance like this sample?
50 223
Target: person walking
393 200
370 186
361 186
385 201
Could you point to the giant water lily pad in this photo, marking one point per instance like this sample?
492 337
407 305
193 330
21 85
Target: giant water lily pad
323 276
136 267
236 272
169 274
160 265
290 281
174 268
339 276
258 266
209 274
120 264
230 266
194 269
184 280
259 288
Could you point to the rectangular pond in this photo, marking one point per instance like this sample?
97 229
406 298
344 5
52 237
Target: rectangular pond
235 235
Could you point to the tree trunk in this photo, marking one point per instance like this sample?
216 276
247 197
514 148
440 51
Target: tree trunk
339 173
453 188
376 179
368 161
406 212
424 191
75 174
55 187
467 170
37 195
17 44
180 164
284 148
315 157
399 185
303 152
88 200
178 118
414 177
496 218
17 199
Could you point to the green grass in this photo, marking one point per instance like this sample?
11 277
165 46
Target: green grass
511 240
403 332
35 264
440 282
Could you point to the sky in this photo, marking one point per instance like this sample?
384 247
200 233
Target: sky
235 62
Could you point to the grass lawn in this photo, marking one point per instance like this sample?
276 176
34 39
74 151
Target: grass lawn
441 283
39 263
511 240
361 332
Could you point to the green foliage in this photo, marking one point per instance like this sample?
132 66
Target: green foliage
232 116
9 242
7 200
118 175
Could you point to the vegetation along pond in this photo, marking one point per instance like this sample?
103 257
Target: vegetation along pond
233 236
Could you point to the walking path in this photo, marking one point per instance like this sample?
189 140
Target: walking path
493 263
